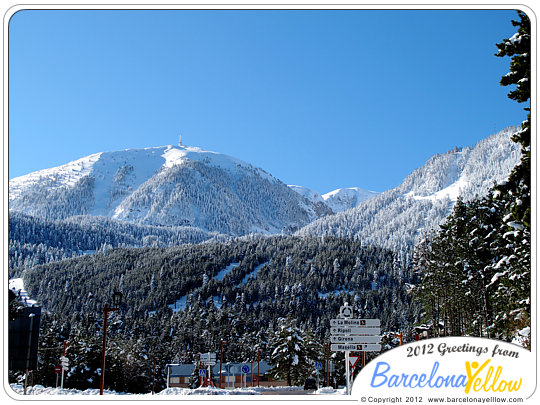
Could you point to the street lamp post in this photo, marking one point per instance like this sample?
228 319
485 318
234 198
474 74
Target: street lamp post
117 299
221 343
327 364
258 365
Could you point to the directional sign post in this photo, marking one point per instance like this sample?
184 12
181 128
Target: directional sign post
207 359
64 362
350 334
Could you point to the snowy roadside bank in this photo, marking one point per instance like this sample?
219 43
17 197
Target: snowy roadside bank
41 390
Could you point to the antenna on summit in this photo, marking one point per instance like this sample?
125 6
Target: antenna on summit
180 140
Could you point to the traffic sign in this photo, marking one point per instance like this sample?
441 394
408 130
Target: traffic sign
353 360
355 347
354 339
208 363
245 368
355 330
202 372
318 366
355 322
207 356
57 369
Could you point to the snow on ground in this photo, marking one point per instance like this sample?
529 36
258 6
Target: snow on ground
253 274
17 286
330 391
335 293
208 391
41 390
222 273
451 192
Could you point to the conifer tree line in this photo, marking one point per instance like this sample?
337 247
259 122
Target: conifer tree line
276 288
476 271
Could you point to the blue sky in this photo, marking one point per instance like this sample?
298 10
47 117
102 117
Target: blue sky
318 98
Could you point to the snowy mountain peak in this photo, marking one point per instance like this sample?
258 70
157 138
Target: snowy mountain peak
463 171
398 217
338 200
345 198
166 186
308 193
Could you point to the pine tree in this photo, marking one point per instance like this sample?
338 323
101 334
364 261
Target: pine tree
513 279
289 352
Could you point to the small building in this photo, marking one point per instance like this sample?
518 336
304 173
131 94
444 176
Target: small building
234 375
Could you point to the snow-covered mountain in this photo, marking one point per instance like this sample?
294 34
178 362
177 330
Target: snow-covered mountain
338 200
193 188
398 217
307 193
168 186
343 199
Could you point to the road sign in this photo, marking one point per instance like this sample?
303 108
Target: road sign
207 356
58 369
355 339
355 322
208 363
245 369
318 366
339 347
353 360
202 372
355 330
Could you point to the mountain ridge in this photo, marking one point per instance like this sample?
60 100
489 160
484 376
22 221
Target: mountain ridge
189 187
399 217
165 186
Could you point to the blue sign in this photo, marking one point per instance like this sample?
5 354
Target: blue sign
202 372
245 368
318 366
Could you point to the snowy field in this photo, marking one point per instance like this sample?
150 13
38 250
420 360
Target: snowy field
41 390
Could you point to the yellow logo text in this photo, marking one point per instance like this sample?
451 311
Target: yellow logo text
490 380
